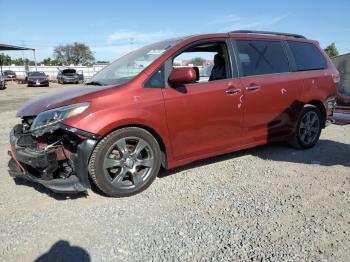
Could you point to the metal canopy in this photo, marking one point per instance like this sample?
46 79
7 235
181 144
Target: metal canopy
4 47
13 48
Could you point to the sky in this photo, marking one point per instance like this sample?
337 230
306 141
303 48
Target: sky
113 28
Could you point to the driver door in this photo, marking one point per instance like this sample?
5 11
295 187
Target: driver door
205 117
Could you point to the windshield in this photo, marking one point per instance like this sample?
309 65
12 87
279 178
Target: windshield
130 65
36 74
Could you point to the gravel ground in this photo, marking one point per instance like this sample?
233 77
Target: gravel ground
267 203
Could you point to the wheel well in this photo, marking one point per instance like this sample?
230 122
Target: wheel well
322 108
156 136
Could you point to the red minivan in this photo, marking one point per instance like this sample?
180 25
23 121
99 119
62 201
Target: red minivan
162 106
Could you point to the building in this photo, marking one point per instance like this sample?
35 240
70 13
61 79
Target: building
342 63
342 112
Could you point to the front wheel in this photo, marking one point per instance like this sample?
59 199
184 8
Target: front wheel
125 162
308 128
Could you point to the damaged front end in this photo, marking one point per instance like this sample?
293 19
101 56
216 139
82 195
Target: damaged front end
54 155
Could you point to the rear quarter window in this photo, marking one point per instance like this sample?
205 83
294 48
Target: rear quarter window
307 56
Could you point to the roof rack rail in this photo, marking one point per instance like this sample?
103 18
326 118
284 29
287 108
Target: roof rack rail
266 33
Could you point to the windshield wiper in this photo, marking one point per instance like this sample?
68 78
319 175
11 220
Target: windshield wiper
94 83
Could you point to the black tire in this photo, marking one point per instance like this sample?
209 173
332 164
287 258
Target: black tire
127 183
306 136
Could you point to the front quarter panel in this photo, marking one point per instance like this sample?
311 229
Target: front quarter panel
125 106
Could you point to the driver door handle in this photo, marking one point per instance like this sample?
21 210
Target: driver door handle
232 91
252 88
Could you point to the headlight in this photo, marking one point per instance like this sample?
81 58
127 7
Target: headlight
53 116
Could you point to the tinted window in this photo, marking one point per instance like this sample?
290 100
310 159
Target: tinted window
262 57
36 74
69 71
307 56
157 78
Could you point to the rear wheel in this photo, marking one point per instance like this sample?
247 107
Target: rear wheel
308 128
125 162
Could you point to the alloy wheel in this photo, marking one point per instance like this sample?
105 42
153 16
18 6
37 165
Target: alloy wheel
309 127
128 163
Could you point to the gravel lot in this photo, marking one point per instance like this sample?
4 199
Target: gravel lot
267 203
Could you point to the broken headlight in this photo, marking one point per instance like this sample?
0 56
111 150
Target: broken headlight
53 116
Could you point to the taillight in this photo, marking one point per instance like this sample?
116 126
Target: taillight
336 77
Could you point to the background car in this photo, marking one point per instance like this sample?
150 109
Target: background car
9 75
343 101
37 79
2 82
68 75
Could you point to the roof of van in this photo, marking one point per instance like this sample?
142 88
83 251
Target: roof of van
267 33
253 34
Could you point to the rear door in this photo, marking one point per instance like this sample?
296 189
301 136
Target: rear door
271 91
311 66
205 116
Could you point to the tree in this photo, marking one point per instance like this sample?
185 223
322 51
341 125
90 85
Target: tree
197 61
76 53
5 59
18 61
49 62
331 50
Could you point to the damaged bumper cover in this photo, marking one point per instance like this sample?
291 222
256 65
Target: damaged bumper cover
60 165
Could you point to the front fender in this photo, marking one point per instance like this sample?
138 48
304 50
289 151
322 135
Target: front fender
101 122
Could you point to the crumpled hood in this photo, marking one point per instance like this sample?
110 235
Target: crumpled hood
56 99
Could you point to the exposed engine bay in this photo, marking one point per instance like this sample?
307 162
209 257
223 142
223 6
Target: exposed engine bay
54 154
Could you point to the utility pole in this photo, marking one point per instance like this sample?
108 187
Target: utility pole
131 43
23 45
24 62
36 67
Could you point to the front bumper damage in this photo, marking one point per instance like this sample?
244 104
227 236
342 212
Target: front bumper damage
56 157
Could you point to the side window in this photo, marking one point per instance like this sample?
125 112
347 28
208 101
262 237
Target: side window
156 79
210 61
261 57
307 56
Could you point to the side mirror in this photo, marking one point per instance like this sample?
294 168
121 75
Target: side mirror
182 75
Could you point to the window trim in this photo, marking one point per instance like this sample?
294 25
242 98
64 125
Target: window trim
239 65
232 71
